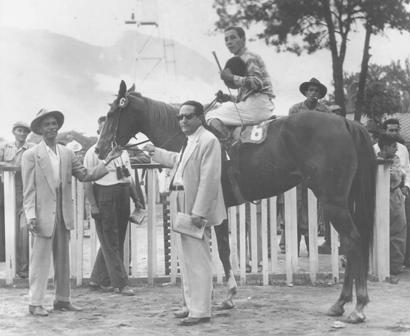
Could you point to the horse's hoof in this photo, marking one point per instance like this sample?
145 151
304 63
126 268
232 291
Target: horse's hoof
335 310
356 317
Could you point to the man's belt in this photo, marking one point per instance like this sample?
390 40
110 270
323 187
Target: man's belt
176 188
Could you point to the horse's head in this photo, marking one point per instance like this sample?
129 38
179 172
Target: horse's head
123 120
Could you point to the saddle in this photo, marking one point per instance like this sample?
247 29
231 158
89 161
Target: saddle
253 134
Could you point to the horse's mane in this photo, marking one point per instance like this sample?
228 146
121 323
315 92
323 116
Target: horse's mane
160 113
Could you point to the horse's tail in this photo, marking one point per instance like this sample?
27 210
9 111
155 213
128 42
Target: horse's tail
363 192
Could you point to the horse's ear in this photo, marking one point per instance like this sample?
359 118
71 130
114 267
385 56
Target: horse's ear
132 88
123 90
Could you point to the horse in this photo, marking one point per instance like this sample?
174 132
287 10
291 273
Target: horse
333 156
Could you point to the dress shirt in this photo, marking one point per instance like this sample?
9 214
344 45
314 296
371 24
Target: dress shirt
191 143
10 153
55 163
403 155
91 160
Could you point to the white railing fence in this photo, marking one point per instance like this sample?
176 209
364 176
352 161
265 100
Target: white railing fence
150 252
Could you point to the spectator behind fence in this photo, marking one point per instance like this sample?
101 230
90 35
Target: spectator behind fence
109 198
392 126
398 228
47 169
313 90
12 153
197 179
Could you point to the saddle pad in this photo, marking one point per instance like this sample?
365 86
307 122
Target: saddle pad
255 134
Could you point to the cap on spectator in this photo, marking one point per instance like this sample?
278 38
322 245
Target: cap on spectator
21 124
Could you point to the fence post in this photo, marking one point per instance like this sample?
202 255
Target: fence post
381 231
264 229
313 250
334 244
242 243
291 240
79 212
233 226
151 227
10 224
273 219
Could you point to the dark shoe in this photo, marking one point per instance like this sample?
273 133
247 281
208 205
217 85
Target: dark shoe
190 321
37 310
93 285
22 275
324 248
126 290
181 313
66 306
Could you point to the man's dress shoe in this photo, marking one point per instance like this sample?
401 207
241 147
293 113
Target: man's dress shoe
66 306
181 313
37 310
126 290
190 321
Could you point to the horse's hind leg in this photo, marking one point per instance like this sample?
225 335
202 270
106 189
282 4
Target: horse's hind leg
224 251
341 219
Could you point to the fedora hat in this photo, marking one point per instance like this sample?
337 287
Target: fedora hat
313 81
36 123
21 124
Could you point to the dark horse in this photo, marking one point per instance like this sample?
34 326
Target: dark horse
334 156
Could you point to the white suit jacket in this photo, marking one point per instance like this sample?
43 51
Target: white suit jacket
39 192
201 177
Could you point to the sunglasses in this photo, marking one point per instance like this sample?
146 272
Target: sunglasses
187 116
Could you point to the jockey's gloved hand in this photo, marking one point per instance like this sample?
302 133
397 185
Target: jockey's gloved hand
222 97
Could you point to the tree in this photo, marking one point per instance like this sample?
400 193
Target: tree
311 25
387 90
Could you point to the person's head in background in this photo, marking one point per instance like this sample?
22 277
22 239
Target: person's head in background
101 121
388 145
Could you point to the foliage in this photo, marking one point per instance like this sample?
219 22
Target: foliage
387 90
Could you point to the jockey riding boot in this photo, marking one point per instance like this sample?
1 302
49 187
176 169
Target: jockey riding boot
217 127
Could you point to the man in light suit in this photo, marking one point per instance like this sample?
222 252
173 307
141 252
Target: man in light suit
196 172
47 169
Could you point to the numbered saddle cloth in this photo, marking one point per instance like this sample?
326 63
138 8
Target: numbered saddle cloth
255 134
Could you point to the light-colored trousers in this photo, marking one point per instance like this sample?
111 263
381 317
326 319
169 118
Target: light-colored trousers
255 109
196 269
43 250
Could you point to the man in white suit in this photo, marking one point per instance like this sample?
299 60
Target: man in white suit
196 172
47 169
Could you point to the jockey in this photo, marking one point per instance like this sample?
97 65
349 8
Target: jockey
254 101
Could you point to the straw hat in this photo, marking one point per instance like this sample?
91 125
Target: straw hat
36 123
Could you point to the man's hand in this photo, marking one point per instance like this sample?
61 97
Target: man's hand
222 97
405 190
150 148
226 75
115 152
32 225
95 213
198 221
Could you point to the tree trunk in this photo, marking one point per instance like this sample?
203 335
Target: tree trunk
363 75
337 60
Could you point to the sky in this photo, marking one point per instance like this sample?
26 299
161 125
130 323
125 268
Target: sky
191 23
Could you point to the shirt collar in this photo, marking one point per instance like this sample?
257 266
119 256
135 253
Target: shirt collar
194 136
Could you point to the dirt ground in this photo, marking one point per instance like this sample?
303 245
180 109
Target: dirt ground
272 310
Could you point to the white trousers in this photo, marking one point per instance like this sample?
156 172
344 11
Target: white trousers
255 109
196 269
